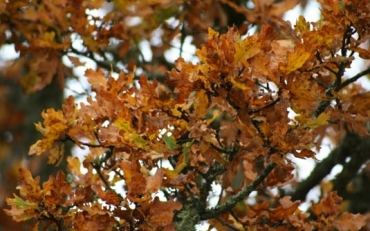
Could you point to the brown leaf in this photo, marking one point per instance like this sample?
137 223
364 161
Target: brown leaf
329 205
161 212
286 209
350 222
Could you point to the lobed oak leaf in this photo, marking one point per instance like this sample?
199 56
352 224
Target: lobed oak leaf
53 129
286 209
123 81
28 186
238 84
108 196
302 25
58 184
328 205
48 41
349 222
296 59
323 119
21 210
97 79
39 147
93 218
246 49
211 154
256 211
82 195
282 173
29 81
249 170
360 104
335 6
69 110
161 212
56 154
153 183
74 165
228 133
129 134
135 182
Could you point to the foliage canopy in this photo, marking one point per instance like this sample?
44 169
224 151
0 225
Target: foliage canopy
223 121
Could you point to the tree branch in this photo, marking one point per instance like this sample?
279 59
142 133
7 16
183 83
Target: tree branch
360 154
355 78
244 193
322 169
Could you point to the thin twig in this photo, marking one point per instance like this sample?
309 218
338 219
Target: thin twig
224 223
264 107
355 78
97 166
244 193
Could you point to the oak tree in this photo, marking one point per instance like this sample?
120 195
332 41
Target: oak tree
161 136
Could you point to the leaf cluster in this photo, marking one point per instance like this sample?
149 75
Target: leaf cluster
222 121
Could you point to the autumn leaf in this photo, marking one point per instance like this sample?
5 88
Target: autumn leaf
108 196
329 205
295 59
161 212
234 118
302 25
349 222
247 48
75 61
97 79
130 134
153 183
323 119
285 209
21 210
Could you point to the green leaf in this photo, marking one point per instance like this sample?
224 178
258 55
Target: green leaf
130 133
170 141
20 203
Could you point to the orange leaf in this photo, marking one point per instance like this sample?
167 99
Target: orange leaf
350 222
153 183
75 61
329 205
97 79
109 196
162 212
286 209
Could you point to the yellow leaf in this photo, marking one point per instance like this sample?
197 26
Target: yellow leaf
302 25
130 134
201 104
74 165
247 48
319 121
237 84
295 60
